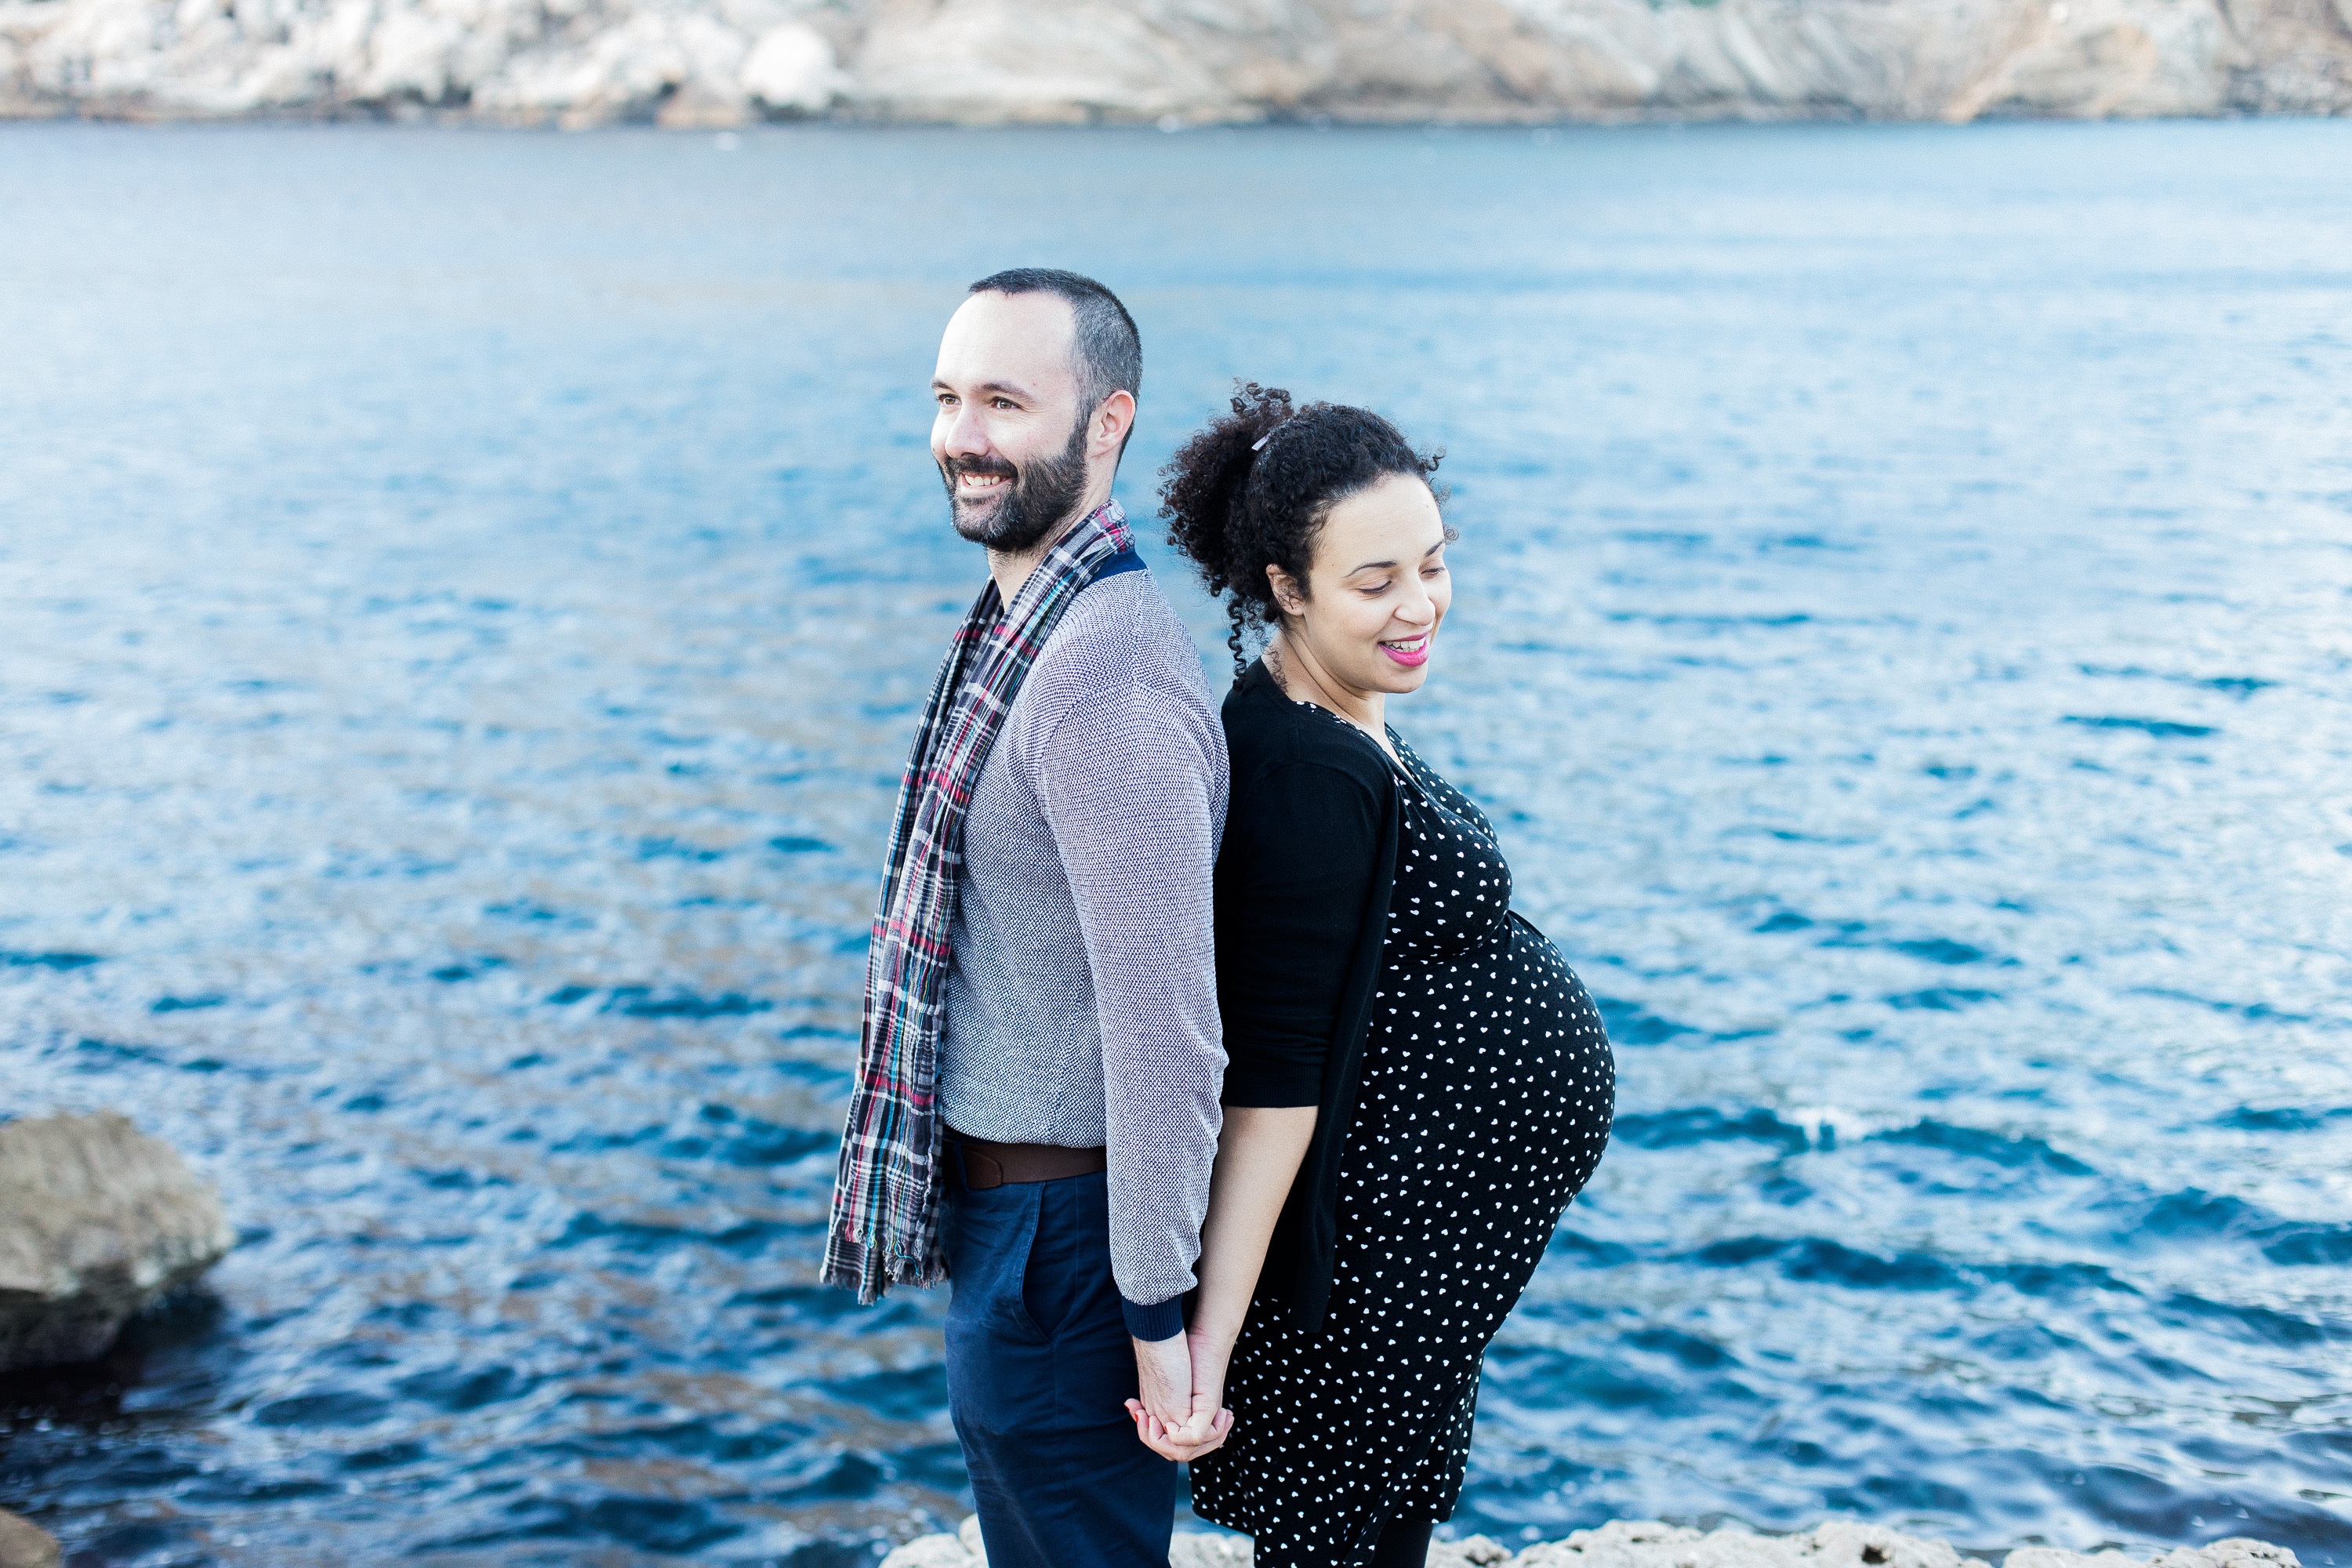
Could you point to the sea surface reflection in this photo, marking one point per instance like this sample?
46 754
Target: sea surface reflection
466 597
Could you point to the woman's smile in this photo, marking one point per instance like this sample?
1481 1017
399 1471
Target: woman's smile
1411 652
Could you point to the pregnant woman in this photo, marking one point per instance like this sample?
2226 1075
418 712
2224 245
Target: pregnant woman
1417 1084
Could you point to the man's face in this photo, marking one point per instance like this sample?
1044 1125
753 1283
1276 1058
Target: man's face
1010 438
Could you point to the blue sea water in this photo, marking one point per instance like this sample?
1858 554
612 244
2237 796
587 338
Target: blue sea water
464 599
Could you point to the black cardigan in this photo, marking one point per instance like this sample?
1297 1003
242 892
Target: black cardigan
1303 882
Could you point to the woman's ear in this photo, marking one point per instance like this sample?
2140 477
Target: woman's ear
1287 596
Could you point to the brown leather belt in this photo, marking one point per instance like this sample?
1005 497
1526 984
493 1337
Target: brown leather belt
987 1164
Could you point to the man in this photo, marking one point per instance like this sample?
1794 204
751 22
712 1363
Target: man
1036 1107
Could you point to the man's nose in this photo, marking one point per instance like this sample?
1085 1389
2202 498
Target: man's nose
964 438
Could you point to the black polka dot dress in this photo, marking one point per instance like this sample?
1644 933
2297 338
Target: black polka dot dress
1486 1102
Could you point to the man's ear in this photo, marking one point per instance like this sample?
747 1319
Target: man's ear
1113 418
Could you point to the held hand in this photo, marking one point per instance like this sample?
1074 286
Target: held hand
1204 1433
1200 1423
1163 1376
1258 1155
1213 1353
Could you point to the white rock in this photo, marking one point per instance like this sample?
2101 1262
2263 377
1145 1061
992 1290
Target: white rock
1850 1543
24 1544
2238 1551
97 1220
408 55
1620 1544
1647 1543
1188 1549
1028 60
930 1551
791 66
1197 1549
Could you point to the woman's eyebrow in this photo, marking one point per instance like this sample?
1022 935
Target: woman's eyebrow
1369 564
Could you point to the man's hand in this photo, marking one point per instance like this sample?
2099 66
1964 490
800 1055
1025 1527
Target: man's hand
1163 1375
1177 1416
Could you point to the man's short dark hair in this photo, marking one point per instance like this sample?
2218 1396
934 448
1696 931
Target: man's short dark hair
1109 349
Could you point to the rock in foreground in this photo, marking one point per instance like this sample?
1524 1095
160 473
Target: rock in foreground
97 1221
1647 1543
24 1544
1838 1543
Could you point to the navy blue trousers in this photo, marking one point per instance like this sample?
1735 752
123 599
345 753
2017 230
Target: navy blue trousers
1039 1372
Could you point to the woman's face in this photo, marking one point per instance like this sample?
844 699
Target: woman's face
1377 587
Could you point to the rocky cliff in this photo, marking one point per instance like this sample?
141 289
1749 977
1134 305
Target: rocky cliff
709 63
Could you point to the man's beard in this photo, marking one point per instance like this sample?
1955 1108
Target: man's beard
1040 498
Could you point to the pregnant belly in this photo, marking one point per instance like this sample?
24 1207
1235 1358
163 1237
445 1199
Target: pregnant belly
1486 1104
1491 1044
1562 1047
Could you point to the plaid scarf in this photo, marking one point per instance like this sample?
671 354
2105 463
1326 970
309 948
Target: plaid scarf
885 1228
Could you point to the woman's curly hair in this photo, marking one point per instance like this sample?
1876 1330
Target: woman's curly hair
1253 489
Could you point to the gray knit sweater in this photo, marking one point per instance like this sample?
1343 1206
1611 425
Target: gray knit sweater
1081 1001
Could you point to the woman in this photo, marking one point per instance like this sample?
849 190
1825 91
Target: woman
1417 1085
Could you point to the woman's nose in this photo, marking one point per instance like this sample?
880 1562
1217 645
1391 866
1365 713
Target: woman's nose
1418 609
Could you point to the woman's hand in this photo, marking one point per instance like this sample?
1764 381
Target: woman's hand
1208 1422
1203 1433
1184 1442
1212 1352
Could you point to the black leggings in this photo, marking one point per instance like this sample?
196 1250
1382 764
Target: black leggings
1403 1543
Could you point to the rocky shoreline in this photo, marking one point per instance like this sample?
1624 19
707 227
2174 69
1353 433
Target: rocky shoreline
1647 1543
703 64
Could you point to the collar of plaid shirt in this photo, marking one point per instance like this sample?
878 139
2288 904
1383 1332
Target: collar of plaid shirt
885 1226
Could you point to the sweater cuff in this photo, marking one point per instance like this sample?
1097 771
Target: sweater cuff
1162 1320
